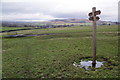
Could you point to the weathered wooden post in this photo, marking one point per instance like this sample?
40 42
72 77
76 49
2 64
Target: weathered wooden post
94 18
94 36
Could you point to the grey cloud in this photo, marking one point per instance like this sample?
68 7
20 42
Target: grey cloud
41 7
71 15
119 11
24 7
9 8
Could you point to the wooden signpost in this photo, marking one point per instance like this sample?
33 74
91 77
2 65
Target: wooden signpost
94 18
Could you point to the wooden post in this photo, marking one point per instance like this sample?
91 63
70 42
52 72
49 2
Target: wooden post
94 37
94 18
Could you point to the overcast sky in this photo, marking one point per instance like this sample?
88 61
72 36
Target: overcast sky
40 10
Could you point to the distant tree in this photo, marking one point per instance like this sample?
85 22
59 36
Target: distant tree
25 26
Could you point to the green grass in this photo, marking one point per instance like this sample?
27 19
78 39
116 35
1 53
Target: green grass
12 28
69 29
51 56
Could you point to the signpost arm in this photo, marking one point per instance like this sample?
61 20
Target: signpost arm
94 37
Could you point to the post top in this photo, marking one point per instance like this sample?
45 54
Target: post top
94 7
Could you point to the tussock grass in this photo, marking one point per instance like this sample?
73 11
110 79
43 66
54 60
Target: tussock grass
52 56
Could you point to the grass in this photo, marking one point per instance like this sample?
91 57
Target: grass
12 28
51 56
68 30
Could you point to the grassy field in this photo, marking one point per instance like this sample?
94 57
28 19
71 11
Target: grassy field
12 28
68 30
52 56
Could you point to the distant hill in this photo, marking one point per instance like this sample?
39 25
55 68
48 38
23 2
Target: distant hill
81 22
63 21
59 21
